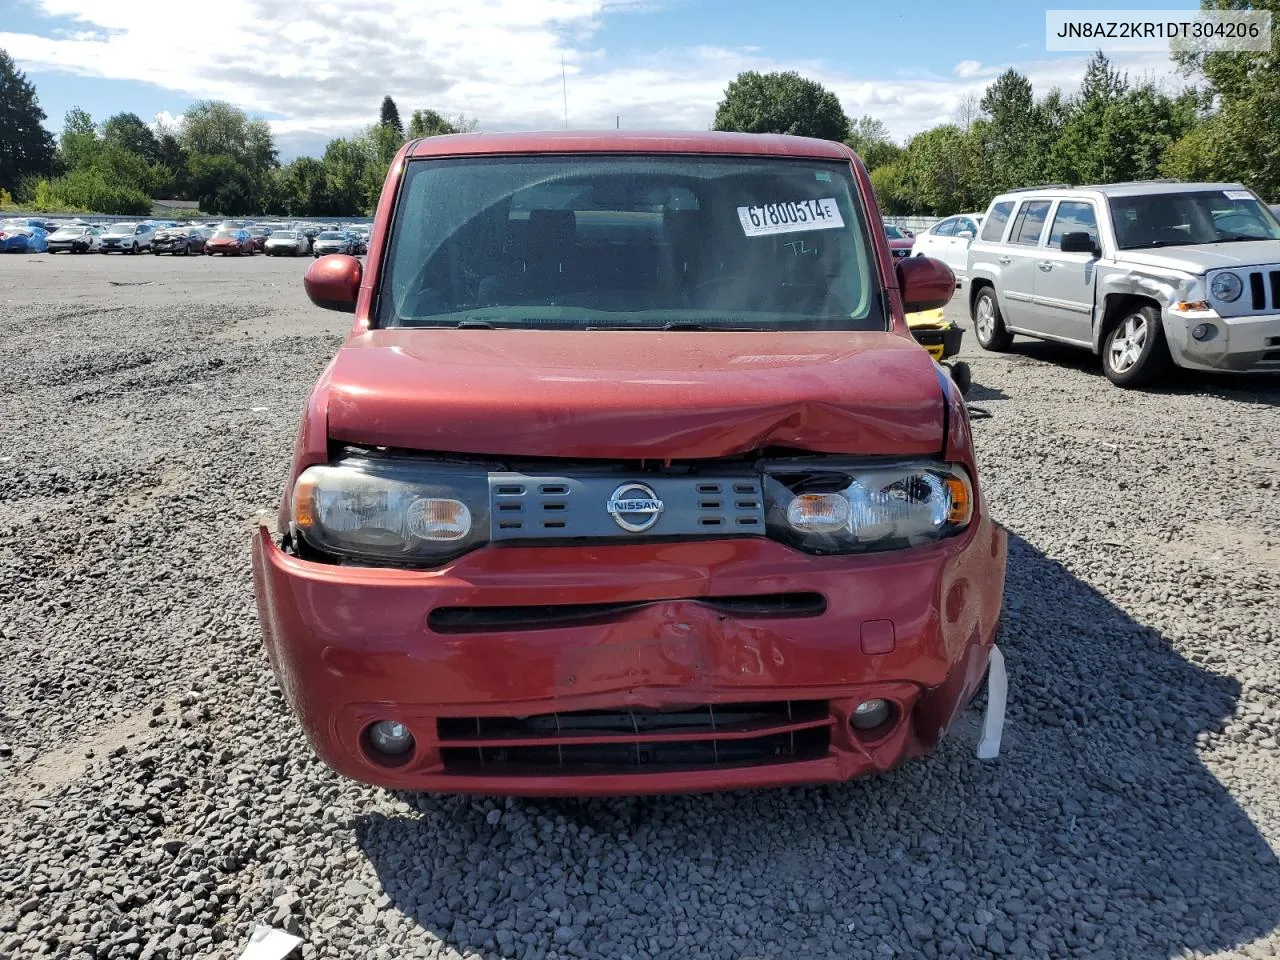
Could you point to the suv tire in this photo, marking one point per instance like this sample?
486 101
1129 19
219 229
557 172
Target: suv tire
988 325
1134 351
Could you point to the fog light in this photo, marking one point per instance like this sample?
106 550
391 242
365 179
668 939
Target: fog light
1204 331
870 714
390 737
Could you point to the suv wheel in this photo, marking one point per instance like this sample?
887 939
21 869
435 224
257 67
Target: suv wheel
1134 351
988 325
134 248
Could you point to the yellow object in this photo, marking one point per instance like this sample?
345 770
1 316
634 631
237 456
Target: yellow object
931 329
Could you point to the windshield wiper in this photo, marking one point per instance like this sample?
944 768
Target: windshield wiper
474 325
676 325
1162 243
1238 237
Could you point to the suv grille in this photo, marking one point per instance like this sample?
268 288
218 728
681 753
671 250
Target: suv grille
710 736
1264 286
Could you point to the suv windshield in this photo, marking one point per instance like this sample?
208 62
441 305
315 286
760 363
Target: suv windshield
648 241
1180 219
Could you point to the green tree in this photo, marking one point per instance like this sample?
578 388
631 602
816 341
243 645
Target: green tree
1014 134
429 123
127 131
26 147
1239 142
887 182
79 141
938 171
869 139
781 103
390 117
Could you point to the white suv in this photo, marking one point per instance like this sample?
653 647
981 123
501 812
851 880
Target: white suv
1146 274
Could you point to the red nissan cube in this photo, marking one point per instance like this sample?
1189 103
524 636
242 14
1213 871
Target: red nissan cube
630 479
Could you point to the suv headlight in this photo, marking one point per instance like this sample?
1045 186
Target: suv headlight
392 511
1226 287
859 509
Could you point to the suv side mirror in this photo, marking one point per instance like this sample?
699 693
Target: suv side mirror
1078 242
926 283
333 282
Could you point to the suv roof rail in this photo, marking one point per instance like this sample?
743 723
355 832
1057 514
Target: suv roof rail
1040 186
1131 183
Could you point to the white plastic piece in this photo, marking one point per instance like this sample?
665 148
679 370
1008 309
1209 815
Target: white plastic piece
993 722
268 943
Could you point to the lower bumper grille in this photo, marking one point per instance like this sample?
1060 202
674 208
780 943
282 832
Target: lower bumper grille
712 736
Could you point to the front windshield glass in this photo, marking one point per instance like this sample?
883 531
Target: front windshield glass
122 228
588 241
284 235
1180 219
330 235
893 233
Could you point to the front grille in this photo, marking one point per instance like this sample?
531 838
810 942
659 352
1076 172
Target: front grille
525 507
709 736
1264 289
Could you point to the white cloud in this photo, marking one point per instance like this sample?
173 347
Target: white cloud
319 69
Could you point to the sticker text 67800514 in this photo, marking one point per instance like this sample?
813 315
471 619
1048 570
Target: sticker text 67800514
791 216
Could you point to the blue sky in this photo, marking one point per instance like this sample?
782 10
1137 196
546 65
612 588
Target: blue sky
318 68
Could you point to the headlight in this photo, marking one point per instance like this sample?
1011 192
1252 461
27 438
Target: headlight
827 509
1226 287
392 511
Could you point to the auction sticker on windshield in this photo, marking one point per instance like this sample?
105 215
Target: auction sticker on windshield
791 216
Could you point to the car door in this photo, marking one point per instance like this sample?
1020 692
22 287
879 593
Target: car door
1017 260
959 258
1064 281
939 237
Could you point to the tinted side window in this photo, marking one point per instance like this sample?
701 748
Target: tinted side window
1074 216
946 228
993 228
1029 223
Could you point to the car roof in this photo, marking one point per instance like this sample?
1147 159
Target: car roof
1135 188
596 141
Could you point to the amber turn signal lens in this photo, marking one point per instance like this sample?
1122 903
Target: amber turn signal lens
304 502
819 512
961 501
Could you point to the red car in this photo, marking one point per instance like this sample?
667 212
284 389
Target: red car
230 242
899 243
630 479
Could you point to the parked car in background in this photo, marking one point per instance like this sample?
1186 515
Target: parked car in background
230 242
259 236
948 241
287 243
1148 275
74 238
126 238
23 235
333 241
899 242
310 231
721 516
180 240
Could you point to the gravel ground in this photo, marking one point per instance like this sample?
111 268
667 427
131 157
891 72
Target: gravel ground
155 800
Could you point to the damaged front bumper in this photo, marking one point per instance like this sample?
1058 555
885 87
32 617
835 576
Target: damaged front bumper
1205 340
633 669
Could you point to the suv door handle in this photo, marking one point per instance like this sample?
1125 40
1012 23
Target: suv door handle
1006 259
1045 264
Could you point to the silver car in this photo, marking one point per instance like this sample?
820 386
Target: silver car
1147 274
127 238
287 243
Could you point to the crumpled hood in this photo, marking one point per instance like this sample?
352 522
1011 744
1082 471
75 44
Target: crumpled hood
634 394
1211 256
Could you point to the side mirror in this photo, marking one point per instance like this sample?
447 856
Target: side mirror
1078 242
333 282
925 283
964 234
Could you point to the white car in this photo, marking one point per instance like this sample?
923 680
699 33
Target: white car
948 241
127 238
287 243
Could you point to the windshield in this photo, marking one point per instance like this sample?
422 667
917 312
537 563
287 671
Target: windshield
121 228
284 235
71 231
330 235
893 233
587 241
1180 219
